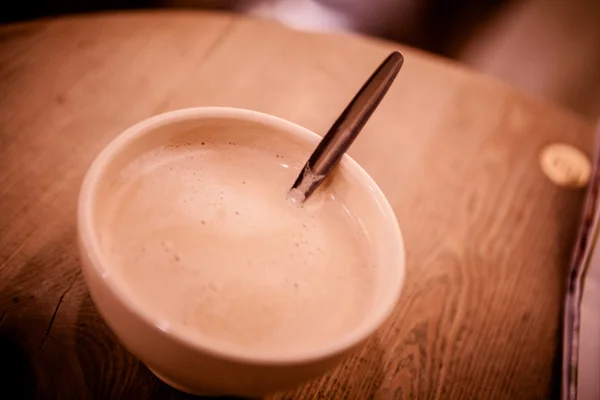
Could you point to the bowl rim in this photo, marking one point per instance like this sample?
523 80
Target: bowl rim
89 242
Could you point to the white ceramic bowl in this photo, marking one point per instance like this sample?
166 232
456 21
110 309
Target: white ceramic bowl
196 365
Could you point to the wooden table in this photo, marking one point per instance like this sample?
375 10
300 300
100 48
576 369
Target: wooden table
488 236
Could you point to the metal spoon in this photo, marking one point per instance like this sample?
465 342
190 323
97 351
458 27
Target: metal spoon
345 129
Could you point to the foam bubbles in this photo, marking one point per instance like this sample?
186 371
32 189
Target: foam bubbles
296 196
207 239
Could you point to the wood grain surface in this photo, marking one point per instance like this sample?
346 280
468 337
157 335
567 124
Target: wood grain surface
488 237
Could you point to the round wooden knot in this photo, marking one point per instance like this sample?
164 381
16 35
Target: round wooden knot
565 165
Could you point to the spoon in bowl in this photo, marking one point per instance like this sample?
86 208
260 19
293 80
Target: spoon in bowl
345 129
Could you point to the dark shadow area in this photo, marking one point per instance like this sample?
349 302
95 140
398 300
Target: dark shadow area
442 26
32 367
17 371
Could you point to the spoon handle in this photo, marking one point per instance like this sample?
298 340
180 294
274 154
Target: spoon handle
348 125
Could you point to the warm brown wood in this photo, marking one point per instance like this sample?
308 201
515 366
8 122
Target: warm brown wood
488 236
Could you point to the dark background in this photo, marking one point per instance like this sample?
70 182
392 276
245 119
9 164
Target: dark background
440 26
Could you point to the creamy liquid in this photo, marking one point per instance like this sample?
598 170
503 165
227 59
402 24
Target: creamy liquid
205 239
